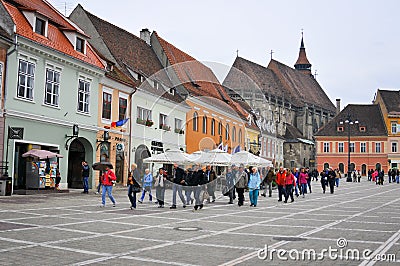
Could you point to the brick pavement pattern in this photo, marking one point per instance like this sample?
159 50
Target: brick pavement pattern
72 229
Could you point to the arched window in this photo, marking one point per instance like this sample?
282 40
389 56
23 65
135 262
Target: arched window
240 136
220 128
341 167
326 166
205 124
227 132
213 127
233 133
195 122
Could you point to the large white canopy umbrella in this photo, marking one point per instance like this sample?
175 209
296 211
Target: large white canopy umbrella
214 157
169 157
247 158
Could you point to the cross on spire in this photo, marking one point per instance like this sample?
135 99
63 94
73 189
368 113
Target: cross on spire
237 52
271 53
315 74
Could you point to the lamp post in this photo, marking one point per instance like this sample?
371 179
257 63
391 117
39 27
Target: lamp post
349 122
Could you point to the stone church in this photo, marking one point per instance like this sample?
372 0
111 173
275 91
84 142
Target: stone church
288 103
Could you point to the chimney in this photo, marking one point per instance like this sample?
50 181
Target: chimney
145 35
337 106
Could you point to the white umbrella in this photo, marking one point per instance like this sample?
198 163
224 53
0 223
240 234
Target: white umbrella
214 157
169 157
41 154
247 158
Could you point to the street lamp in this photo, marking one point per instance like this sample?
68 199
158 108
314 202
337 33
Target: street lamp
349 122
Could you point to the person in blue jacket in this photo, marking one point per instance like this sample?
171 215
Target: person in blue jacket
147 184
254 186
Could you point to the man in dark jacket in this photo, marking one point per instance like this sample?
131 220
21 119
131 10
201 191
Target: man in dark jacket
198 181
85 176
269 178
177 182
331 179
211 180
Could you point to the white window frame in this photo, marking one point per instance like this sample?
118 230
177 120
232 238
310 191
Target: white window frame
53 84
352 147
83 43
326 147
178 124
363 147
394 147
86 94
144 114
26 75
163 120
378 147
46 25
126 97
394 127
110 92
341 147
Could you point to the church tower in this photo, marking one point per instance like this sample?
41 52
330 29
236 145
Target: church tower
302 63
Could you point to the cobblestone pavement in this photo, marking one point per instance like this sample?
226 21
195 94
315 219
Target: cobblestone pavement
71 229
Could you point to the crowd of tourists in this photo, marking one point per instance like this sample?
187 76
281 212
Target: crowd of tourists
197 184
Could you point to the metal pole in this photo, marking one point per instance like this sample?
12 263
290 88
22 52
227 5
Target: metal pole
348 155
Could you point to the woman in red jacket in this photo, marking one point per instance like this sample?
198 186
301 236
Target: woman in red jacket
107 183
290 183
280 181
303 181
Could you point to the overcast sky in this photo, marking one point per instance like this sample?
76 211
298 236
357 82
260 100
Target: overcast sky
352 44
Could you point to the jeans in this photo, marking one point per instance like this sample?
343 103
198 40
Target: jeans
253 195
309 185
144 193
337 182
107 189
177 188
86 184
289 192
211 189
323 184
188 192
397 179
331 182
303 188
197 191
132 196
280 192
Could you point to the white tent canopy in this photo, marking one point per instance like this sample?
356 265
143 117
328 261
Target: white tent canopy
247 158
169 157
214 157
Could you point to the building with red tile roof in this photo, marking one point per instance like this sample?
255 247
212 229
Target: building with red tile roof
52 76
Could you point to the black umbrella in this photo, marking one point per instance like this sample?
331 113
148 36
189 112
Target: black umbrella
101 166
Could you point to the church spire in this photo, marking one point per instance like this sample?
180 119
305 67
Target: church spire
302 63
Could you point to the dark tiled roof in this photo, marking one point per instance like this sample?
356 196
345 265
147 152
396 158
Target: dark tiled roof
292 133
4 34
303 87
302 59
277 80
391 99
369 116
133 54
198 79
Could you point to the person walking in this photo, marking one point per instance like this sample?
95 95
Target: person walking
133 185
338 176
188 186
58 180
303 177
269 178
307 171
107 180
85 177
177 183
324 179
280 181
199 181
147 184
241 184
331 180
160 187
296 174
230 184
254 186
290 183
211 183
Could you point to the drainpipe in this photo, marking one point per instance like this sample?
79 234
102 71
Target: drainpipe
130 126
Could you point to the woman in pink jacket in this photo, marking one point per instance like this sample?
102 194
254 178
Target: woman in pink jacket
303 176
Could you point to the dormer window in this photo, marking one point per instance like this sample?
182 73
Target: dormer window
363 129
80 45
40 26
340 129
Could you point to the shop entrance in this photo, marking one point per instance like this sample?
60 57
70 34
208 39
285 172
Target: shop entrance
76 155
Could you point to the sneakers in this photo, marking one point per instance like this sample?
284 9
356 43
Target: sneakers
173 207
97 193
263 194
114 204
140 201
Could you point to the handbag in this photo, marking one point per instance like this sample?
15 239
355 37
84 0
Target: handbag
204 195
225 191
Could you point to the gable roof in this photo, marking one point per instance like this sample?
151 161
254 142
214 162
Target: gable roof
278 80
369 116
391 100
132 54
198 79
55 37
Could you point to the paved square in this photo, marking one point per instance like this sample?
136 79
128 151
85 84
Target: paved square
71 229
